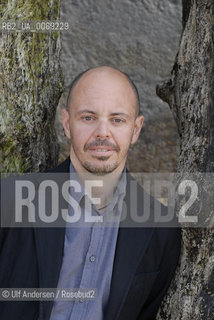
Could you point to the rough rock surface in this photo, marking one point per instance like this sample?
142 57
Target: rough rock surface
140 38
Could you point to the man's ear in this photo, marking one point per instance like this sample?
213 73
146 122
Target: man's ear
65 123
137 128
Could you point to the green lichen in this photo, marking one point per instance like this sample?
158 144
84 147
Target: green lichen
30 10
30 87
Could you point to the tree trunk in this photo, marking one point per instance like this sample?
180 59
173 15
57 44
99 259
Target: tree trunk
190 95
30 87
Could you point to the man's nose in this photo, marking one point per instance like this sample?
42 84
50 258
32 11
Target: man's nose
102 130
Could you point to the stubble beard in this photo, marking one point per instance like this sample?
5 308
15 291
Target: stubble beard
92 167
100 170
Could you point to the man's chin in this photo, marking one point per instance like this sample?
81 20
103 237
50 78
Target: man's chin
102 158
100 169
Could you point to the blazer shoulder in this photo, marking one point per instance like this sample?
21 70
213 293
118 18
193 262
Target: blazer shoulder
63 167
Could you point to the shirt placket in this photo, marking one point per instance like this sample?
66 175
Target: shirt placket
88 279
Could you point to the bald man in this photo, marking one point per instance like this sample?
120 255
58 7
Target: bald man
129 267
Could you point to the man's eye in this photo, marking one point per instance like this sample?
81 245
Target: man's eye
87 118
117 120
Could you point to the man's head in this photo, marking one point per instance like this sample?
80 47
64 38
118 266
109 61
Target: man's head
102 120
79 76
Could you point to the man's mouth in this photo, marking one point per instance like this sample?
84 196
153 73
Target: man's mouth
101 150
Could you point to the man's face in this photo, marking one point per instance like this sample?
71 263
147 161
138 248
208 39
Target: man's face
101 122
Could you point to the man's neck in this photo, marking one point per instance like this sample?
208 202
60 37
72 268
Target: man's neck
106 188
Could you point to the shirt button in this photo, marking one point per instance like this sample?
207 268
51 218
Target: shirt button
92 258
81 300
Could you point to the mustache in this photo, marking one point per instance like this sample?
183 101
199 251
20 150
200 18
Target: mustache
101 143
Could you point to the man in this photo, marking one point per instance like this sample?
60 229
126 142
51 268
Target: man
131 267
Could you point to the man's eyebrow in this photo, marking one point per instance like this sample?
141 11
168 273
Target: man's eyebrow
120 114
112 114
86 111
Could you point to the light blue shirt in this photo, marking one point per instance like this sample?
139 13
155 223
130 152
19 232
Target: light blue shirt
88 257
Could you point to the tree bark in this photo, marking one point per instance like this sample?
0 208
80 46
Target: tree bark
30 87
190 95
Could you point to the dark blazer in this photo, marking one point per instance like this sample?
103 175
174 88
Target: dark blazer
144 264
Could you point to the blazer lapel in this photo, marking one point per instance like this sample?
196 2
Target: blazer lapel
131 246
50 246
132 243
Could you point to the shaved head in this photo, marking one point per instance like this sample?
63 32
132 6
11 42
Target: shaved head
102 71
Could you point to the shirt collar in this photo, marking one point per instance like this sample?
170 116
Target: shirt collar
73 176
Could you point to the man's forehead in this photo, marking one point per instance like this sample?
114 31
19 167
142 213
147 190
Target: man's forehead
102 104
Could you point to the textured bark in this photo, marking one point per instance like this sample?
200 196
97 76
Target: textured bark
190 95
30 87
